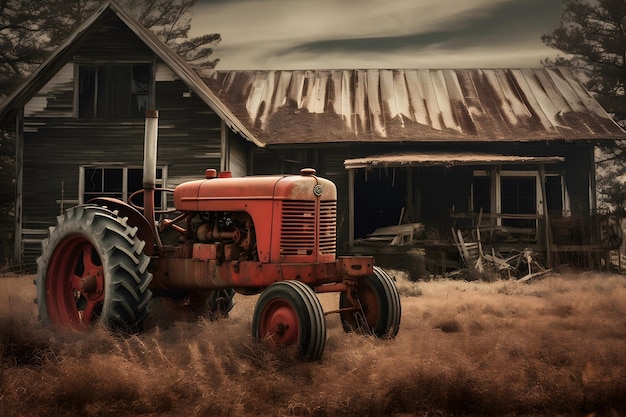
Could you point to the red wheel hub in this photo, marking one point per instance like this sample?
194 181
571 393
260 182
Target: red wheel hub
74 284
279 323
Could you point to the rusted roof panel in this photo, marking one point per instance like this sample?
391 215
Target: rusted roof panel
413 105
444 158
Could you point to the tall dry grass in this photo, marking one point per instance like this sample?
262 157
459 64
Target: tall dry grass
554 346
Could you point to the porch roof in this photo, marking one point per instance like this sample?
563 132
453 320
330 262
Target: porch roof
407 159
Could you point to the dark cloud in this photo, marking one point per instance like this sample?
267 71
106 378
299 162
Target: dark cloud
497 25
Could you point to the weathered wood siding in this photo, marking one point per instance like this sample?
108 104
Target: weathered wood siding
113 41
189 133
237 154
57 145
56 98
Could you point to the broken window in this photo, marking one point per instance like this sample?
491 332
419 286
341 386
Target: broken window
117 182
113 91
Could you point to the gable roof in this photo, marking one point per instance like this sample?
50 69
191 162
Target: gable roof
414 105
63 54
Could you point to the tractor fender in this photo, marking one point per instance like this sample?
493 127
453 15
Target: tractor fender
135 219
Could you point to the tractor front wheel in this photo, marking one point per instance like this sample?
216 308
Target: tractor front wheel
288 313
378 311
92 269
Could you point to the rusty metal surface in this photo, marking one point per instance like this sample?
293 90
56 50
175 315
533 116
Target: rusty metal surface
414 105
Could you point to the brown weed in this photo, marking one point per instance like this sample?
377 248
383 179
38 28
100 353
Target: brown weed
552 346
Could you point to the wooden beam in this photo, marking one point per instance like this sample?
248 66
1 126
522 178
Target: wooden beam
350 207
546 216
19 180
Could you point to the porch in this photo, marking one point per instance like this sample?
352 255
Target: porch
505 203
489 245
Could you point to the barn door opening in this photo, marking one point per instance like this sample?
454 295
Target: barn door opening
379 197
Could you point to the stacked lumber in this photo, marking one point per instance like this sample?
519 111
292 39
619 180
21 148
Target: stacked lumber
402 234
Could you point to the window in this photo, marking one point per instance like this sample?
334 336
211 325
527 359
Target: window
120 91
117 182
519 192
518 195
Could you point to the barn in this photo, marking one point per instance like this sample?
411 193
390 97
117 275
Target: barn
421 157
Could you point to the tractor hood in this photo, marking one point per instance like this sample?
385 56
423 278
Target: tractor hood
210 193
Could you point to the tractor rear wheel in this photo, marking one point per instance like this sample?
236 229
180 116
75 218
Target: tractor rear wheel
380 308
288 313
92 269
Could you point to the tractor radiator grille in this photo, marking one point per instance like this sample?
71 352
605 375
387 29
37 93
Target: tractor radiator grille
328 227
298 230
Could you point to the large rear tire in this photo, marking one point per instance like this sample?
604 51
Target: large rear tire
93 270
380 310
288 313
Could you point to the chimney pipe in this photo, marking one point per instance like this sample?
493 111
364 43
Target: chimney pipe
149 169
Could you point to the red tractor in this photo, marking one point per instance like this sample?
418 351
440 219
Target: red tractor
273 235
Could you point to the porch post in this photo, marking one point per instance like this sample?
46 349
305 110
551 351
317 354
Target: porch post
494 196
546 216
350 207
19 178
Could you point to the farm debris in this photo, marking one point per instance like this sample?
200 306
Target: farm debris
398 235
522 265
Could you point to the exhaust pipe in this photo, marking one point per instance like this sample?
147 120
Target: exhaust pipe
149 170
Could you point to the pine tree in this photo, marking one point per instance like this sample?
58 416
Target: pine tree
592 34
31 29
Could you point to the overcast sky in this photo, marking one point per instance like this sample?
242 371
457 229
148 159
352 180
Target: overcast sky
351 34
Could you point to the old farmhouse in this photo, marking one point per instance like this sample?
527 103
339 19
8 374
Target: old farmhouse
421 157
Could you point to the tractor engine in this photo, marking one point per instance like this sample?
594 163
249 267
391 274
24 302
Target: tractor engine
231 232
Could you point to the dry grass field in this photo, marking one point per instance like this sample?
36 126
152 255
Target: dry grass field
555 346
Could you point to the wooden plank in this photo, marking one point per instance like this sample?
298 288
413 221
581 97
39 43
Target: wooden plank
402 229
19 185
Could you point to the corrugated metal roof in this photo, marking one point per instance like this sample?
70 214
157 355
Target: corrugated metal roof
413 105
446 159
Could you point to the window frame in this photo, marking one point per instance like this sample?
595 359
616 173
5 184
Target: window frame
159 183
129 92
539 205
498 174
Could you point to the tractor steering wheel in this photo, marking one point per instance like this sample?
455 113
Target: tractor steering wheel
141 208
